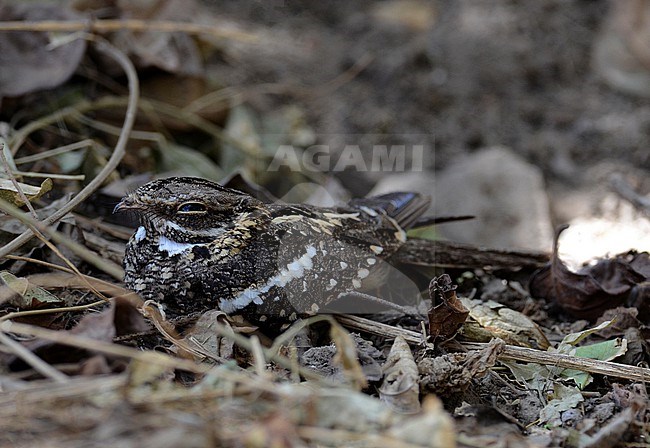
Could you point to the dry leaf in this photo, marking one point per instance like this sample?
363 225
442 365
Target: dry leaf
587 294
174 52
493 320
24 294
203 337
119 319
400 389
9 193
28 63
446 318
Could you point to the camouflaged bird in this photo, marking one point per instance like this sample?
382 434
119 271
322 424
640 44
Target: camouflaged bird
202 246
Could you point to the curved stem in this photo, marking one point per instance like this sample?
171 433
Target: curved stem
118 152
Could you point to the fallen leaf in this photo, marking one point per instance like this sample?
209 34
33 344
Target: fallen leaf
120 319
242 127
490 320
603 351
28 63
638 349
187 161
27 296
573 339
9 192
11 226
588 293
622 318
640 262
563 399
446 318
64 280
400 388
174 52
537 376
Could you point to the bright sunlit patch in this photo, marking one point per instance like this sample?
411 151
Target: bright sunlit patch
590 238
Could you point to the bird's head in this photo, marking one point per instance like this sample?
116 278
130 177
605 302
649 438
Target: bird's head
186 209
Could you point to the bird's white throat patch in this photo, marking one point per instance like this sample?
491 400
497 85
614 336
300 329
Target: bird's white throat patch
296 269
140 234
173 247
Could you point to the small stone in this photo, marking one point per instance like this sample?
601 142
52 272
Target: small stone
505 193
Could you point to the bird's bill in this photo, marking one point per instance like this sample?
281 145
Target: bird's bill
126 204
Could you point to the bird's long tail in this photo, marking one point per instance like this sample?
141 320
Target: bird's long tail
404 207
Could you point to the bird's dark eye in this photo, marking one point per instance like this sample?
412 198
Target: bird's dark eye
192 208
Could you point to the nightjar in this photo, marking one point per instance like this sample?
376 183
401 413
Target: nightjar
202 246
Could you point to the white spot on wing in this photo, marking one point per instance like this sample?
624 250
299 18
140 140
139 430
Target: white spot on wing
294 270
329 215
286 218
368 211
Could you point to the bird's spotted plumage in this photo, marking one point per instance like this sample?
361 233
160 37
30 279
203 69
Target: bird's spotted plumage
202 246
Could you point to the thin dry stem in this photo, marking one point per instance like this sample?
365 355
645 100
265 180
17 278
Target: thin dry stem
37 363
11 176
105 26
151 312
63 337
48 176
79 250
233 95
259 359
510 352
116 157
55 152
67 309
282 361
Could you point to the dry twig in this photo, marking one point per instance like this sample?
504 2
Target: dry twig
510 352
106 26
37 363
114 160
